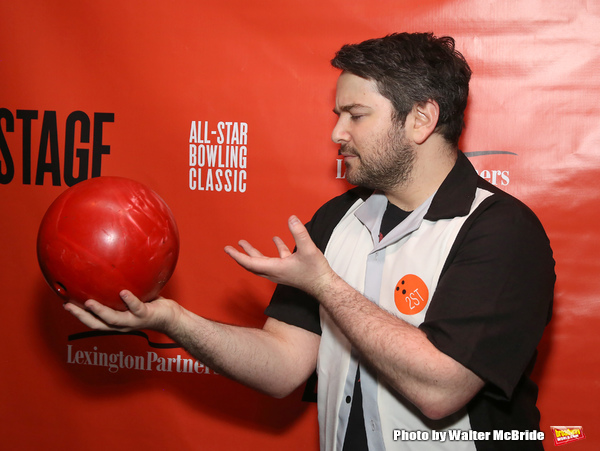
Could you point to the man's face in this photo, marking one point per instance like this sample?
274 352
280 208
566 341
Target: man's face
376 152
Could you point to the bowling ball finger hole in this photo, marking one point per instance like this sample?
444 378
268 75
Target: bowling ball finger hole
60 288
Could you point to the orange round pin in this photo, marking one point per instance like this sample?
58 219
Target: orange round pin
411 295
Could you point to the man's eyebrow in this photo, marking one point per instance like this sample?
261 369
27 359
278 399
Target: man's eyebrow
348 108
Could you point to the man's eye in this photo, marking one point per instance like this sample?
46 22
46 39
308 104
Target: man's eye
355 117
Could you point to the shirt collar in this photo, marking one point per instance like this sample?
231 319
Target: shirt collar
455 195
453 198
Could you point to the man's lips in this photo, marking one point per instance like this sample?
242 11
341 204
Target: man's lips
348 154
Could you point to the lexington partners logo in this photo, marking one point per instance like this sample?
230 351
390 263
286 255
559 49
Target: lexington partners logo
495 175
566 434
114 362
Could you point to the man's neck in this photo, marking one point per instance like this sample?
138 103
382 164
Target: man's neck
429 171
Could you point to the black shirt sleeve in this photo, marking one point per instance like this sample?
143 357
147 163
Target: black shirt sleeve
494 297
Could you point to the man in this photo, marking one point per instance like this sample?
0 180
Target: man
420 296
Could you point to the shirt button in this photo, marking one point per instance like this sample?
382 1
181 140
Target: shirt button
348 399
372 425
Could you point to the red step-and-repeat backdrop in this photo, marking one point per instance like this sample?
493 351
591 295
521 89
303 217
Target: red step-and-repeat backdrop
224 109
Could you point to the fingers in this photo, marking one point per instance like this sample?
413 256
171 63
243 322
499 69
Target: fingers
87 317
134 305
282 249
249 249
240 257
253 260
100 317
299 233
109 316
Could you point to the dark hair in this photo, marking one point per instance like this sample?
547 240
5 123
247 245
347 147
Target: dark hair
412 68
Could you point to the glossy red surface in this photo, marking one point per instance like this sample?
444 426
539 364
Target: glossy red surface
104 235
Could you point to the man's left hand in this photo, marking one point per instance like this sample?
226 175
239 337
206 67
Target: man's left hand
306 269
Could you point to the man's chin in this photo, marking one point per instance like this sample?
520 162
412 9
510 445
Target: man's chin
356 181
350 176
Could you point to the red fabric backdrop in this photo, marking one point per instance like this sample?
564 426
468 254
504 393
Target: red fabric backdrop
137 75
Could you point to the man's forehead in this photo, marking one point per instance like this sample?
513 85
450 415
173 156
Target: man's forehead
349 81
353 92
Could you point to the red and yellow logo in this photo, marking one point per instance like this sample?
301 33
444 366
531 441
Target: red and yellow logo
566 434
411 295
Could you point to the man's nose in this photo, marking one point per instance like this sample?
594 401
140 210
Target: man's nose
339 135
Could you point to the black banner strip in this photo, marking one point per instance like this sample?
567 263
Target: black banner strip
102 333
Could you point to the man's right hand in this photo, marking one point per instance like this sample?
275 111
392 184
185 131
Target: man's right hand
160 315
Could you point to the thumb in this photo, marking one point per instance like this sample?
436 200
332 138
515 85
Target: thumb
299 232
134 305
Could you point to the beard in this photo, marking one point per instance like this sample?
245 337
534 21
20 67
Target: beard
388 163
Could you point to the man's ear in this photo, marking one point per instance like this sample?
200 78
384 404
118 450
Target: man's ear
422 120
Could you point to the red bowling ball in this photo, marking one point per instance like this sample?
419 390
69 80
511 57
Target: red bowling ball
104 235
